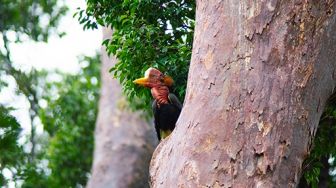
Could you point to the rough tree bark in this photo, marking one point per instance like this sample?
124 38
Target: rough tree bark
124 142
260 75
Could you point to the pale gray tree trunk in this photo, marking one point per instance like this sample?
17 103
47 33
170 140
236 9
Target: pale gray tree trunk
260 75
124 142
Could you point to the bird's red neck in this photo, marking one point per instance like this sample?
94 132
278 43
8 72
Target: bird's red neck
160 93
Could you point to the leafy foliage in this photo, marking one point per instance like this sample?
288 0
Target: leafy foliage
69 119
146 34
30 18
71 104
11 152
20 21
324 148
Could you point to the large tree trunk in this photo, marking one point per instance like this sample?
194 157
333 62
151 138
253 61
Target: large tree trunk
260 75
124 142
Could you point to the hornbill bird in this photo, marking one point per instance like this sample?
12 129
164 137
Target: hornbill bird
166 106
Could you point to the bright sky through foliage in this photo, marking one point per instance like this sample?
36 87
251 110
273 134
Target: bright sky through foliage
58 53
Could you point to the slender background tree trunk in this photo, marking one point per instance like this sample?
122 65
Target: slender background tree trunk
260 75
124 142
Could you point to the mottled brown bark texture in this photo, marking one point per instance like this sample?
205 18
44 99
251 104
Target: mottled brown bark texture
124 142
260 75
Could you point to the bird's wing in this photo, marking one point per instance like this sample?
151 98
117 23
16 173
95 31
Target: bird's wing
156 114
174 100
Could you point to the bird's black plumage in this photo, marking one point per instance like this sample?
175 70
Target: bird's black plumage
166 115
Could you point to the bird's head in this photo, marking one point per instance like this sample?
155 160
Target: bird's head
154 78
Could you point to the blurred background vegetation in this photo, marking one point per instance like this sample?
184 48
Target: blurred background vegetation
146 34
62 155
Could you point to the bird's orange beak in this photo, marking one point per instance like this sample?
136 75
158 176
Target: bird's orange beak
145 82
141 81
